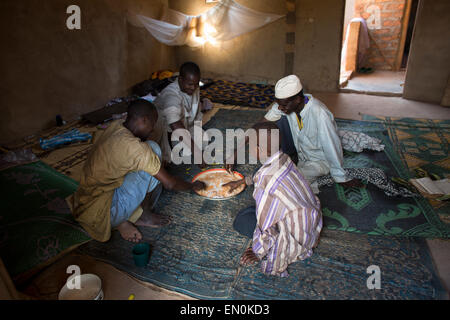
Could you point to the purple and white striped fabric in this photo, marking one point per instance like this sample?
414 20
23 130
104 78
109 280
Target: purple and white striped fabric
289 219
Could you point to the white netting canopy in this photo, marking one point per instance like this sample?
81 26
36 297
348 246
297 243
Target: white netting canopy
226 20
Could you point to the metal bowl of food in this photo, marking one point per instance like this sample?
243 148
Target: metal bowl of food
214 180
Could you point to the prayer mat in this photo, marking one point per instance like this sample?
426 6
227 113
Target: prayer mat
33 140
239 93
66 159
198 252
368 210
421 143
36 225
198 255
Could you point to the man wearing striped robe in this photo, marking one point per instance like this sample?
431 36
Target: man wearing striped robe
286 222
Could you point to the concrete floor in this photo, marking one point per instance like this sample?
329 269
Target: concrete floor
118 285
387 83
352 106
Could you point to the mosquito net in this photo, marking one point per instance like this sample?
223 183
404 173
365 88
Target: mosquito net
227 20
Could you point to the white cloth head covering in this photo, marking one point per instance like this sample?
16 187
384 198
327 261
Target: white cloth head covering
287 87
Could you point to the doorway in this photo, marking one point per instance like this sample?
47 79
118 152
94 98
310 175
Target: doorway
409 33
376 45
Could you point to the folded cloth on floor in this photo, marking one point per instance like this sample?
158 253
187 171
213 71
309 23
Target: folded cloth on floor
68 137
375 176
357 141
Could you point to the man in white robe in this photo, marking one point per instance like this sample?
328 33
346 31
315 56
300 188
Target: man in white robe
313 130
179 105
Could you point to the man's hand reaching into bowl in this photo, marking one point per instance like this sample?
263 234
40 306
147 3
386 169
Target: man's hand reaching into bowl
198 185
233 185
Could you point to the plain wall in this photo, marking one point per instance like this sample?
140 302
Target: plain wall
260 55
318 44
349 15
428 66
48 69
257 55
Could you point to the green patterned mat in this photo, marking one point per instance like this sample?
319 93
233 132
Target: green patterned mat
36 224
367 210
421 143
198 253
371 211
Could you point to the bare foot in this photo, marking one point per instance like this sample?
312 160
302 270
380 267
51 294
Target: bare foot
248 257
153 220
129 232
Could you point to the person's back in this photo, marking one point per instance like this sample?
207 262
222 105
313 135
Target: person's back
286 221
284 202
116 153
122 178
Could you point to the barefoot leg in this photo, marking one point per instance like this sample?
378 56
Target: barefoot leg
149 218
248 257
129 232
153 220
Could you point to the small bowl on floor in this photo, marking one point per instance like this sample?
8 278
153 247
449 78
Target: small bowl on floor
90 288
